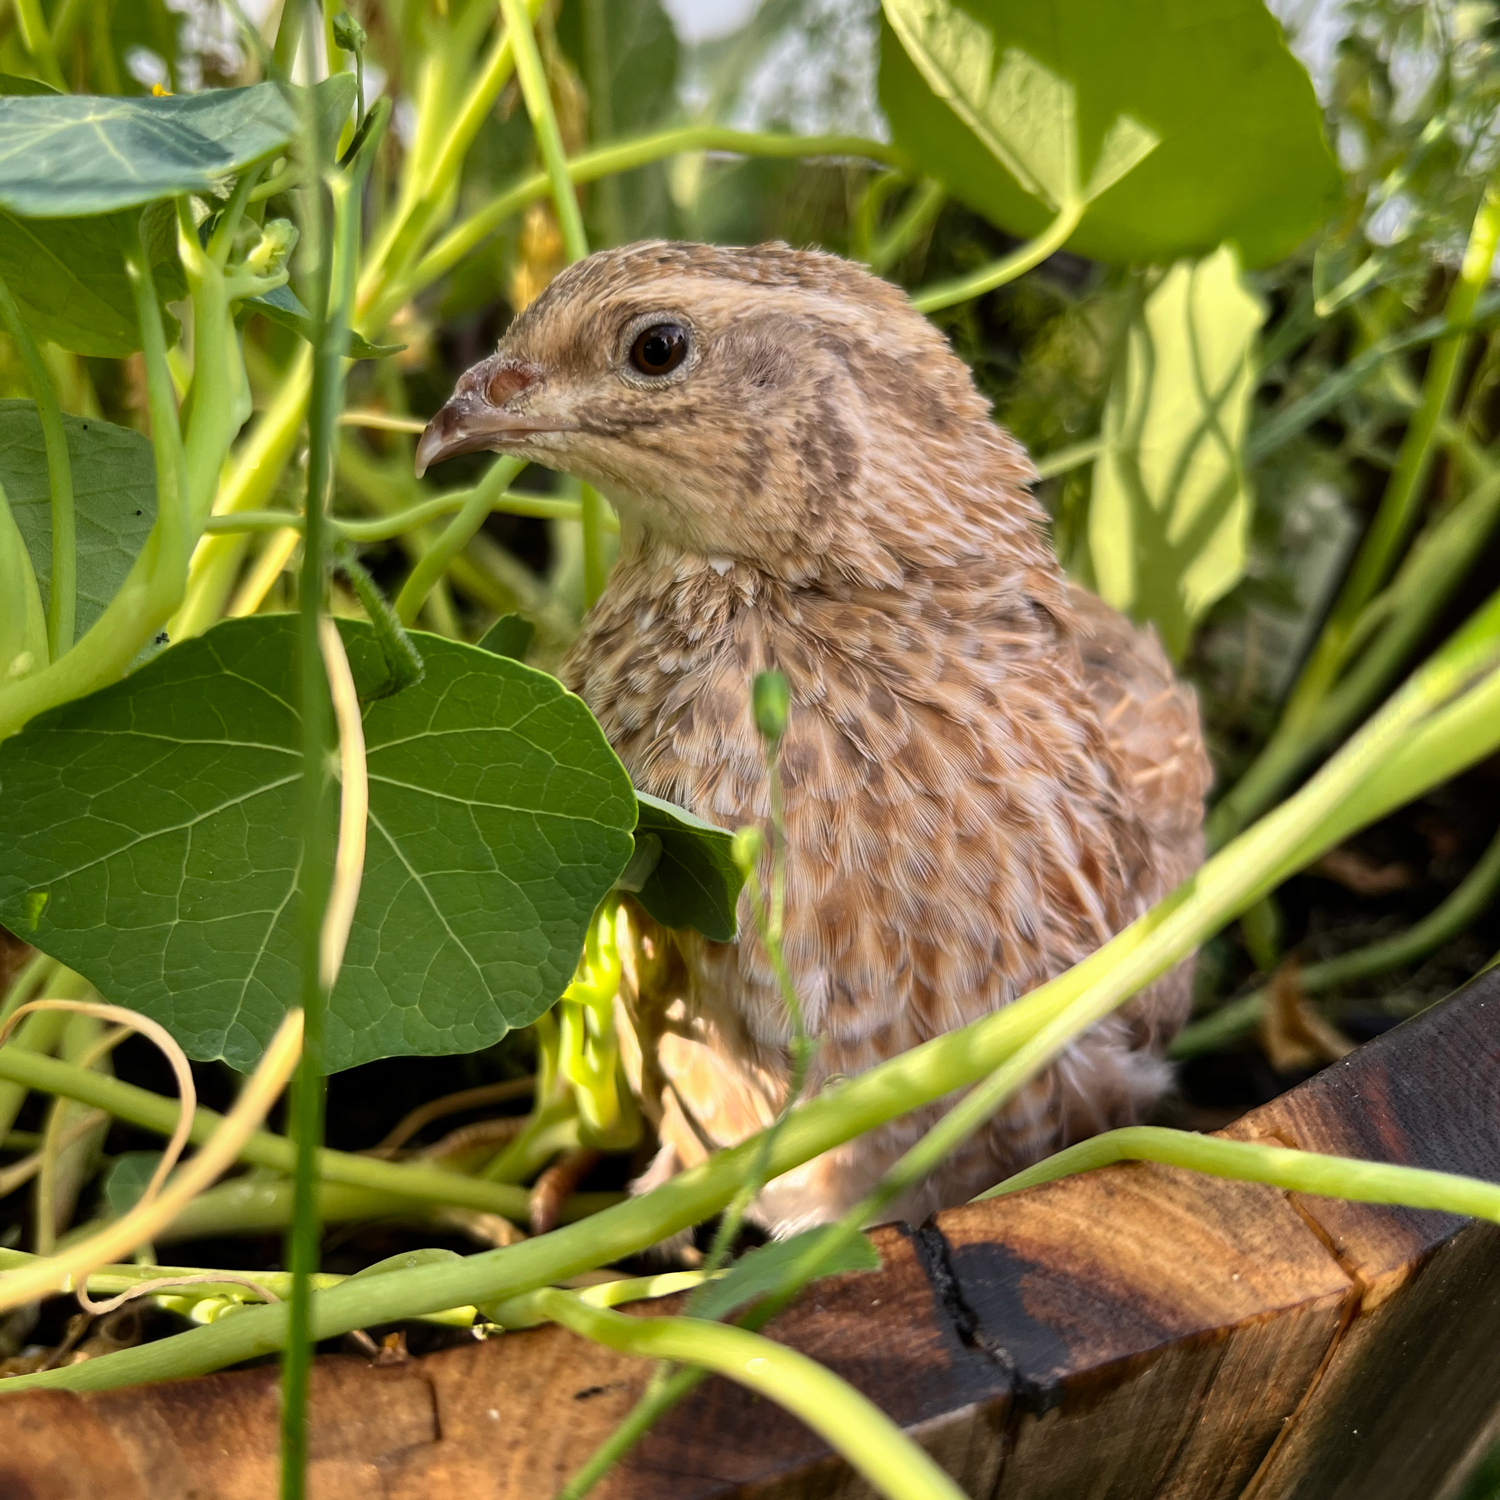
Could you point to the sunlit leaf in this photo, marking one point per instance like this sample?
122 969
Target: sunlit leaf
1024 113
160 820
1241 156
1169 513
114 499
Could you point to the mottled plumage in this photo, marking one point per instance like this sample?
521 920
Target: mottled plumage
987 770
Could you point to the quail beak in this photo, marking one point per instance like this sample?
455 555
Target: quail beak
480 415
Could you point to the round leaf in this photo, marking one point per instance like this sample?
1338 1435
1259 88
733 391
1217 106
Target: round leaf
151 841
1241 153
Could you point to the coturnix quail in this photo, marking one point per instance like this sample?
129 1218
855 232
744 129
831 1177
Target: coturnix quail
987 771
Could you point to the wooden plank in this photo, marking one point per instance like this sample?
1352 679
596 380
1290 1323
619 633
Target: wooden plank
890 1337
516 1415
1139 1333
1416 1376
1162 1327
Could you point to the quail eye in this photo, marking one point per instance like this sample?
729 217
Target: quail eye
660 349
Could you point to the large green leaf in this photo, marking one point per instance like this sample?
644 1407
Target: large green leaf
1241 153
69 277
114 499
1169 514
68 155
695 882
151 837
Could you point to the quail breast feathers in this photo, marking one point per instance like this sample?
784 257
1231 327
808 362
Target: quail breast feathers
987 770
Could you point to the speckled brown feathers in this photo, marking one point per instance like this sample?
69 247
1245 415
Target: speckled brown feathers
988 772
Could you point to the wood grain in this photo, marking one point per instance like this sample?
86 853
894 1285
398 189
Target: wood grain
1134 1305
1417 1373
1140 1333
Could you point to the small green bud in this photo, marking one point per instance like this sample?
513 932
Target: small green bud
745 850
771 698
348 33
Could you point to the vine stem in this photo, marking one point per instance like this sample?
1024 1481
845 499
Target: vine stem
1007 268
605 161
330 870
509 503
62 592
1464 903
1278 1166
846 1420
1296 737
137 1227
480 501
538 97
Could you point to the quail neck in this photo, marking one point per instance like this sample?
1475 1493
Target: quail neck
988 772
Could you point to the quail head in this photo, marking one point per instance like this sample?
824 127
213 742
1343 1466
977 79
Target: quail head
987 771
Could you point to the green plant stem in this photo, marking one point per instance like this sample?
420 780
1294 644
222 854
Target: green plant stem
1421 738
598 521
921 209
24 986
37 40
1399 505
1467 901
154 586
62 590
1007 268
251 481
604 161
22 1064
254 1205
533 79
289 31
23 622
38 1035
509 502
1432 570
1281 427
456 536
432 174
1277 1166
1064 460
1399 508
846 1420
331 244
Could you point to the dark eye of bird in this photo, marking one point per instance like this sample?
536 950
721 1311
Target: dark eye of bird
660 349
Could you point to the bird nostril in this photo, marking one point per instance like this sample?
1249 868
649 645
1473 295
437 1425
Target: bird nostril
508 380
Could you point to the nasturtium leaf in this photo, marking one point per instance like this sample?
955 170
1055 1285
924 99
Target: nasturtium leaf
160 819
68 275
510 635
63 156
764 1270
282 305
1169 512
1240 155
114 500
695 882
